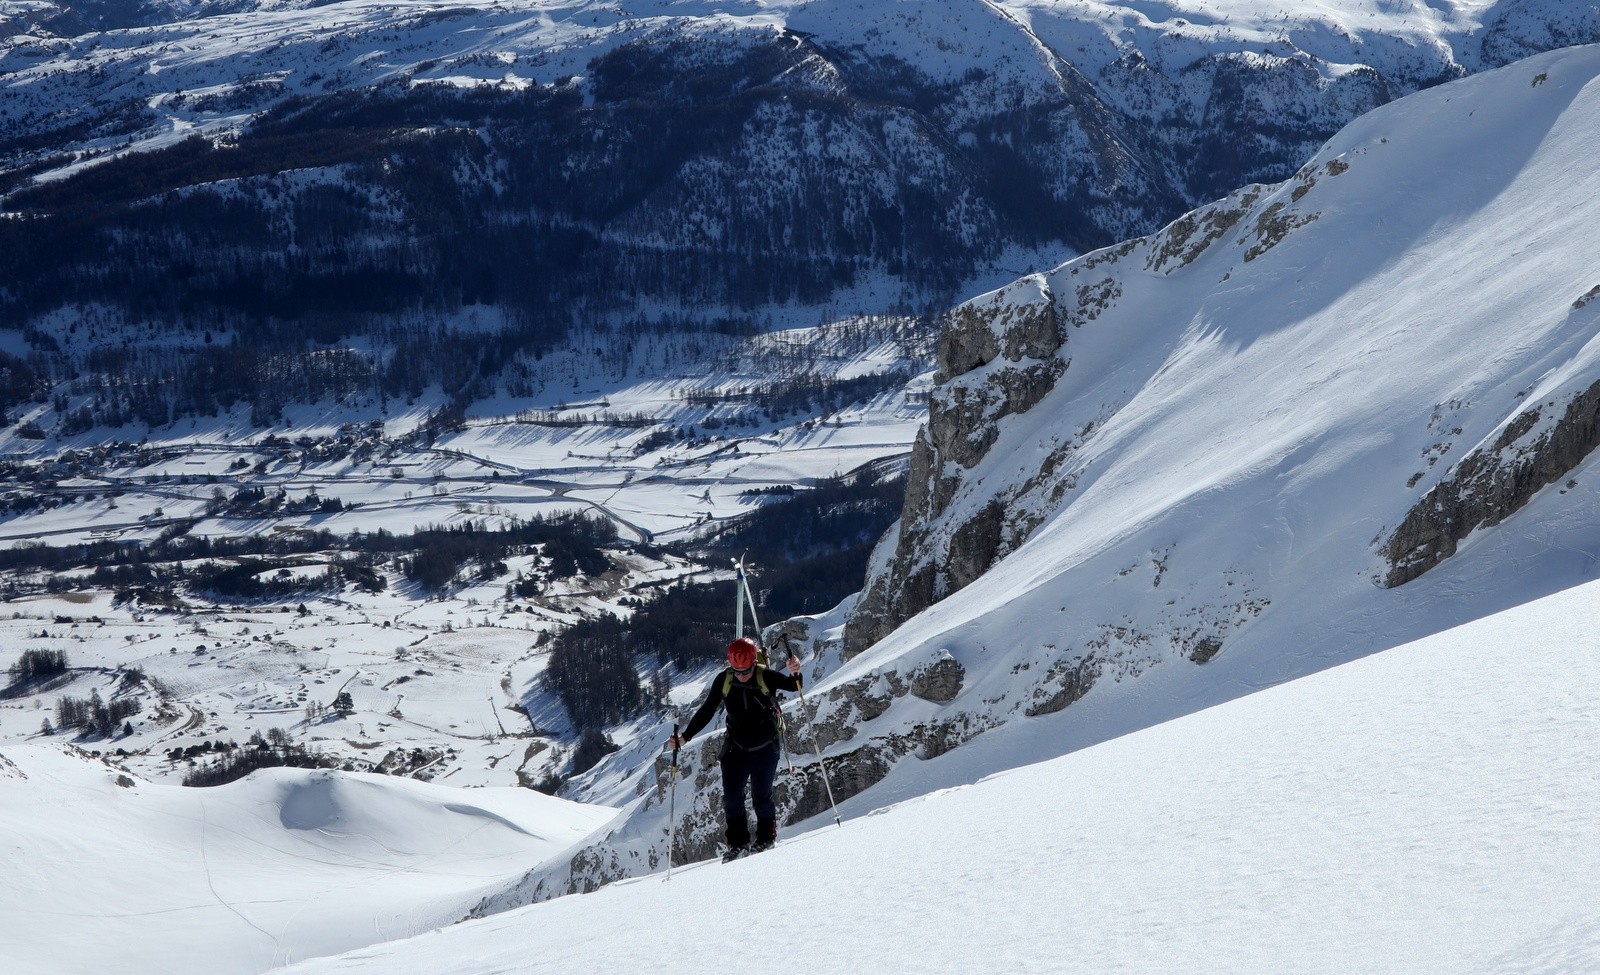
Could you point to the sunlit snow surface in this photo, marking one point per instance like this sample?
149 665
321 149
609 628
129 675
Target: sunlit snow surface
1240 428
286 864
1430 809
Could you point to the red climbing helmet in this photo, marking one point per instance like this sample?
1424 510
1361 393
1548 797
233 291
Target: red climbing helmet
742 653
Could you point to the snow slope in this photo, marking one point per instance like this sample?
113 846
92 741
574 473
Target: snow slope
1252 401
1429 809
105 871
1250 414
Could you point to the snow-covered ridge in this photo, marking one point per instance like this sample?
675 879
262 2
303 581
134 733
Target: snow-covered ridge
1169 64
1360 207
1254 401
539 41
208 71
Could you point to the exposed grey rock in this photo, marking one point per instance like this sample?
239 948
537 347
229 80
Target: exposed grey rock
1490 484
998 356
1204 649
1186 238
940 681
1065 684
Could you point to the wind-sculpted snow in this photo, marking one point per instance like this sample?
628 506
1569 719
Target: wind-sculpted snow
114 871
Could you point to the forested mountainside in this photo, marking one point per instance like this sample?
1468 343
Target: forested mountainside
208 205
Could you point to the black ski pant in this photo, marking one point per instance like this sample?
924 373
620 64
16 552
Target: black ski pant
758 769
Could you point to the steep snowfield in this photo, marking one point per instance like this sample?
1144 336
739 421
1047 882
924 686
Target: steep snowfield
1248 418
1425 810
287 864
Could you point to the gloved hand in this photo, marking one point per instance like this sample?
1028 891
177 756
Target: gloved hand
674 742
794 666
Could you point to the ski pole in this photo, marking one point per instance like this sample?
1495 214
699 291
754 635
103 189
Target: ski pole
672 803
821 763
783 739
800 683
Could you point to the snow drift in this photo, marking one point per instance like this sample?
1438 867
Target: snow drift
108 871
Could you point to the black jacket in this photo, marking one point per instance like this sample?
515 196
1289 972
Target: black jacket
752 715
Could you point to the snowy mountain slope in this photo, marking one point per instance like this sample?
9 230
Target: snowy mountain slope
1254 402
328 46
1162 62
1428 809
107 870
1170 473
1363 296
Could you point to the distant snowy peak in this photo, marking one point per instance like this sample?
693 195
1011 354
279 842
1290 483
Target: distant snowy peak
69 18
1521 28
1180 64
879 156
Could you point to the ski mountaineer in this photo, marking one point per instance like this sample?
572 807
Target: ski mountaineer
750 748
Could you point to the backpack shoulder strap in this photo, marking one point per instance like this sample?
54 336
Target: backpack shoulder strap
761 681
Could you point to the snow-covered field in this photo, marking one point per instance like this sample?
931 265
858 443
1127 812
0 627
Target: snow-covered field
1429 809
659 450
109 871
449 678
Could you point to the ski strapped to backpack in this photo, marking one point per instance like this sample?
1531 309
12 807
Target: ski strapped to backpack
741 599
